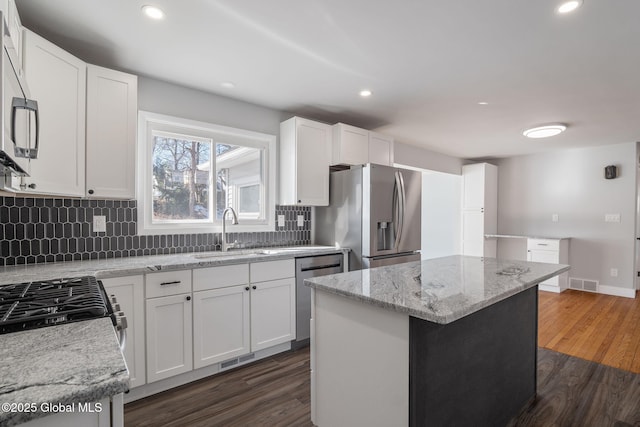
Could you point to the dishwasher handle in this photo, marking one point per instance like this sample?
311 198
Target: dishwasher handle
321 267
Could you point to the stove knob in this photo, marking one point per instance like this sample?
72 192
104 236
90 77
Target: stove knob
116 307
122 321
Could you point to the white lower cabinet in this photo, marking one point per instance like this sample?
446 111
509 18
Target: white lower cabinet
273 313
129 292
169 336
552 251
221 324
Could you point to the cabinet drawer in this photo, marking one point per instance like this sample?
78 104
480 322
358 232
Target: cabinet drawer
167 283
273 270
220 277
543 244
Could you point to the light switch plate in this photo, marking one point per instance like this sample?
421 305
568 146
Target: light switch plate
614 272
300 220
280 220
554 217
99 224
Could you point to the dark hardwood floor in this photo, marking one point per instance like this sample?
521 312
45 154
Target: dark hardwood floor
572 391
275 392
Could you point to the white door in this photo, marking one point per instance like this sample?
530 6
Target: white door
169 336
273 313
350 145
112 109
57 80
129 292
473 233
221 324
313 147
380 149
551 257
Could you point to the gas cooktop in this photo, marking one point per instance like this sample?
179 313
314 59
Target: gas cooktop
32 305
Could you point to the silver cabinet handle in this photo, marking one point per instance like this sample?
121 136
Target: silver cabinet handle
31 105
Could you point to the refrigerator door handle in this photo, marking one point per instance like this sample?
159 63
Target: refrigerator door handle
403 204
396 210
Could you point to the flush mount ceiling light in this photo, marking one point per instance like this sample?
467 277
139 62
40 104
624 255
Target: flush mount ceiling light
483 103
545 131
365 93
153 12
569 6
228 85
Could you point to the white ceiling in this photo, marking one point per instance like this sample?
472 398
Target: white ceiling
428 62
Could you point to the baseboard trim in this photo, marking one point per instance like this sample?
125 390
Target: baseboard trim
618 292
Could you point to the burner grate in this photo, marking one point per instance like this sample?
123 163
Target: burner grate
45 303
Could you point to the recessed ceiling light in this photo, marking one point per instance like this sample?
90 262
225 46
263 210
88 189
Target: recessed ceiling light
483 103
365 93
545 131
228 85
153 12
569 6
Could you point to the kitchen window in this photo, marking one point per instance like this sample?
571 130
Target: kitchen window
189 172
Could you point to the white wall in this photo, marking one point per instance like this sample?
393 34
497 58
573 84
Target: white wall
571 183
162 97
441 214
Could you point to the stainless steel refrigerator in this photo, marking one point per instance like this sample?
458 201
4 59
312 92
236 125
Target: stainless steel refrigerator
375 211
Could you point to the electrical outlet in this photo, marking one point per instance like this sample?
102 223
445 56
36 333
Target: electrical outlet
300 220
99 224
280 220
612 218
554 218
614 272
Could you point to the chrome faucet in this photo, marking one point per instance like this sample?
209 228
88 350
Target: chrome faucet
234 221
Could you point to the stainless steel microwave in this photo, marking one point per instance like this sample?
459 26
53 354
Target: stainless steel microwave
20 121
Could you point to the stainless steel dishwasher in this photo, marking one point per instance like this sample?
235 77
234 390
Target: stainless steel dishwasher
307 267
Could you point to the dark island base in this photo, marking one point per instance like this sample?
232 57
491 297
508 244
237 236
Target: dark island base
477 371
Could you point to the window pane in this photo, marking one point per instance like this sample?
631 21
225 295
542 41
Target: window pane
181 171
239 168
249 199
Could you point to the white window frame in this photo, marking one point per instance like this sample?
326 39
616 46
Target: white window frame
149 122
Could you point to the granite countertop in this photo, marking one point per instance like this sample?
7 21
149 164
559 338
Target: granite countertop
75 362
119 267
517 236
440 290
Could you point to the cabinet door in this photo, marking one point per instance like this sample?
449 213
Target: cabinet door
15 30
380 149
305 148
169 336
350 145
273 313
112 107
129 292
57 80
221 327
473 233
473 178
551 257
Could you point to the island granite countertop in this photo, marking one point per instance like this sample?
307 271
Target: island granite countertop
440 290
119 267
62 364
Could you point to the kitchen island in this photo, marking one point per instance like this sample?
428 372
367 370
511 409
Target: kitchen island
448 341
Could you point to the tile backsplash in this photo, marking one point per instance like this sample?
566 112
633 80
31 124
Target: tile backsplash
39 230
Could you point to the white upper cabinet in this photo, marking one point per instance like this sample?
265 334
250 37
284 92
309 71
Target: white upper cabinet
356 146
380 149
57 80
305 148
11 16
112 107
350 145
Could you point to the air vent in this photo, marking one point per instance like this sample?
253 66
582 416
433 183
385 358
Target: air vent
228 363
583 284
237 361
